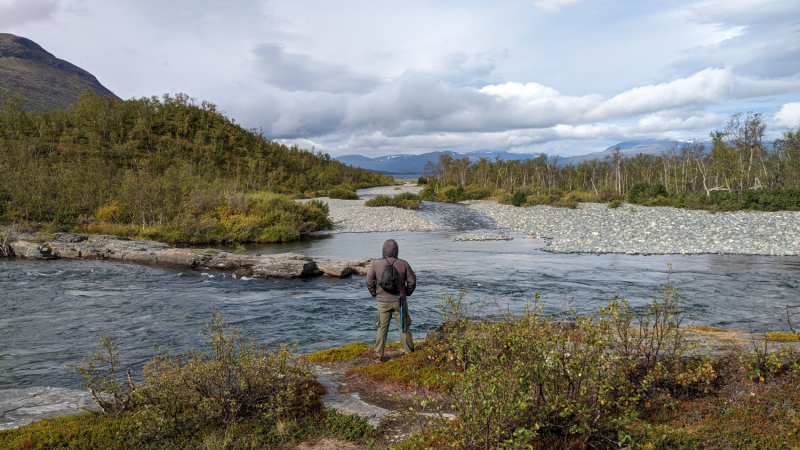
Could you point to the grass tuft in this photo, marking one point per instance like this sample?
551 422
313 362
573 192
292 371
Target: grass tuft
781 337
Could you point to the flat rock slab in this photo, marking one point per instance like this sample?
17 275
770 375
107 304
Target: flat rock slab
22 406
349 403
113 248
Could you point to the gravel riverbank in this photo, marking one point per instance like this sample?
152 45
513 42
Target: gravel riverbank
351 216
633 229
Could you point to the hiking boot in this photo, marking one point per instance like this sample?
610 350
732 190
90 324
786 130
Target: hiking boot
376 358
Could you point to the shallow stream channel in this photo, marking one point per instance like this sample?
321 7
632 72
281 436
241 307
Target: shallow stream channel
54 311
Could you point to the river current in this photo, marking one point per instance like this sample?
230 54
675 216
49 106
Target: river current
54 311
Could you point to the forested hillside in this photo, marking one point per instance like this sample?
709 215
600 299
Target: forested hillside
165 168
739 170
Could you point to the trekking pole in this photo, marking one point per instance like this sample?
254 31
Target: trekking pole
401 312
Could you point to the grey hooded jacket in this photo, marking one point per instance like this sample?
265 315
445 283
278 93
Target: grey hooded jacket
406 275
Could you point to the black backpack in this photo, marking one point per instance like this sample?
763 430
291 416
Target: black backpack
390 279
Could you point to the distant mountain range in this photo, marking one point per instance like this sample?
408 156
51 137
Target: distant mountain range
42 80
406 164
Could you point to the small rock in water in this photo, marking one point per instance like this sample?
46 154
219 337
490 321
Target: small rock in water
484 237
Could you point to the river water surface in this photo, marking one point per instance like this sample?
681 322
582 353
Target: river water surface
54 311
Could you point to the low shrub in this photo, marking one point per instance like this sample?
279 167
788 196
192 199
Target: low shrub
453 194
421 181
63 222
428 193
530 380
519 197
644 193
568 202
406 200
254 217
230 394
342 193
476 193
613 204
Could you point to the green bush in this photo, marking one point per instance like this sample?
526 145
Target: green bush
342 193
453 193
543 198
519 197
428 193
613 204
406 200
63 222
476 194
568 202
422 181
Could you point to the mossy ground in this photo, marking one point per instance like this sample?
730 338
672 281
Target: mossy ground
415 370
92 431
344 353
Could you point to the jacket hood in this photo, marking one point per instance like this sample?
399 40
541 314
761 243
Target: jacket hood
390 249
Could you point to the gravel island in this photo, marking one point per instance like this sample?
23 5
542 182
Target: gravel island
351 216
634 229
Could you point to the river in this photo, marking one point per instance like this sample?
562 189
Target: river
54 311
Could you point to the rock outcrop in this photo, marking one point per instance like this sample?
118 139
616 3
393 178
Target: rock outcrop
113 248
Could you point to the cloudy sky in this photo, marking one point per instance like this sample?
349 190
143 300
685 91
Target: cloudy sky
561 76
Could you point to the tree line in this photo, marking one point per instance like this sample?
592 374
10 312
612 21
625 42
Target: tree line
738 159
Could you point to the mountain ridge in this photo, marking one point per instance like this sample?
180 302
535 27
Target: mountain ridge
42 80
402 164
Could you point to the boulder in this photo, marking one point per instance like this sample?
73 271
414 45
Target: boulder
276 266
360 266
31 250
339 269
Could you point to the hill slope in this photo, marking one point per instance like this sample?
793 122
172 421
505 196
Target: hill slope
42 80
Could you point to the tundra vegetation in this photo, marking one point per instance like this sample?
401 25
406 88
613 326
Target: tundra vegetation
624 377
165 168
230 394
740 170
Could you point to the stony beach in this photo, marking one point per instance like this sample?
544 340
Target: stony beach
634 229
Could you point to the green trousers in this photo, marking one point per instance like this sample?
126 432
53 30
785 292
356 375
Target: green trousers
385 312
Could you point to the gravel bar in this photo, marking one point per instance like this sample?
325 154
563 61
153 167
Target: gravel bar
634 229
351 216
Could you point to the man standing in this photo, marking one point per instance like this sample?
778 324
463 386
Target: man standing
395 275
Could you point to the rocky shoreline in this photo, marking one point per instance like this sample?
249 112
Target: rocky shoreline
111 248
634 229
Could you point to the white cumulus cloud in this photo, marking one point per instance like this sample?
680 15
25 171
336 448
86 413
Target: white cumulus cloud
788 116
